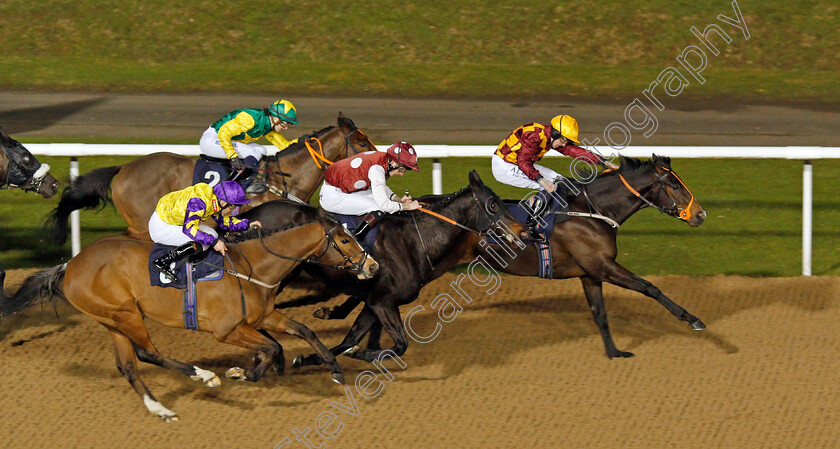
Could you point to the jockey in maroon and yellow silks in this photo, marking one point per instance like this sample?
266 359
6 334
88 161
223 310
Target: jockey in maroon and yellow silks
529 143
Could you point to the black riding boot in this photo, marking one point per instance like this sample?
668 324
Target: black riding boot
537 209
163 263
259 184
367 223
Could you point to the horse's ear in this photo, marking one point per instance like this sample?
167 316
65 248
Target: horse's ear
345 123
662 161
475 180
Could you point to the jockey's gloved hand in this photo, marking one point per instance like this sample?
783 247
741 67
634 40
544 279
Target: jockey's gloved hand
237 164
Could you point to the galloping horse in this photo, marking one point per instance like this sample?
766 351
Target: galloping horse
19 169
109 281
413 248
135 187
585 246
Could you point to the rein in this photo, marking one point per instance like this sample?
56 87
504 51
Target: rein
315 155
682 214
319 154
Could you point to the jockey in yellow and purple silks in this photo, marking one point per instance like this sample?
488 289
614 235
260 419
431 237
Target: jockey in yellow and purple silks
234 136
177 220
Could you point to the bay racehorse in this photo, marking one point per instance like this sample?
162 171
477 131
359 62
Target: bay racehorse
109 282
413 249
135 187
585 246
19 169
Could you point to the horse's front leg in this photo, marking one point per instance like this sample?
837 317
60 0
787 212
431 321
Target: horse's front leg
340 311
389 316
360 328
622 277
594 295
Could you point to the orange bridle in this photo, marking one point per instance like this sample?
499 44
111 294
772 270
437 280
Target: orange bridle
682 214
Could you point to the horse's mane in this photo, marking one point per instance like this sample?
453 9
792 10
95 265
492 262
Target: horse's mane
300 145
433 202
311 214
627 165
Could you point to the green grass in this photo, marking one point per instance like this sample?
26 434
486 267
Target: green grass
484 48
753 227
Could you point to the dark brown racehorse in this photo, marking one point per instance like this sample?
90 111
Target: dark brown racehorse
585 247
135 187
19 169
109 282
413 249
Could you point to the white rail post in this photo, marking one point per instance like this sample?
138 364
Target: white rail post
807 215
437 177
75 231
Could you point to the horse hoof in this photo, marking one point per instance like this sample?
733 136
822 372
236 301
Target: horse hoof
214 382
338 378
297 362
621 354
322 313
169 418
697 325
235 373
351 351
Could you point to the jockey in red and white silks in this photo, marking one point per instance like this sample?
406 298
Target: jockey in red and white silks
357 185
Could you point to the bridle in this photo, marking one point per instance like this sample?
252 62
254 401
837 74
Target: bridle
487 207
492 217
349 264
661 181
17 175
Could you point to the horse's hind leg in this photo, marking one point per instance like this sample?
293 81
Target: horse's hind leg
594 295
279 360
277 322
247 337
622 277
130 323
127 365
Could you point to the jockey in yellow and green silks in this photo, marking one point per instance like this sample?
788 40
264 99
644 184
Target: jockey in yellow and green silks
234 136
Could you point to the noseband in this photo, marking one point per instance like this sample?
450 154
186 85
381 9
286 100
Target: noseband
673 210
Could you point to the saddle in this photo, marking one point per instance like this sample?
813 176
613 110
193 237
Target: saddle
553 212
212 170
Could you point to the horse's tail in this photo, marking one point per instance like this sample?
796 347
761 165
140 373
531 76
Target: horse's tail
91 191
37 288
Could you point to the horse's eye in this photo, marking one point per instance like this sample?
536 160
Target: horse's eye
27 159
345 241
363 144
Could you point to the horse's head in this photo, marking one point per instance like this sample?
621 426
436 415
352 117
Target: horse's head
19 168
345 251
490 211
356 140
669 194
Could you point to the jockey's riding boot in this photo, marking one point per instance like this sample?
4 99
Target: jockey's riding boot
163 263
258 185
537 209
367 224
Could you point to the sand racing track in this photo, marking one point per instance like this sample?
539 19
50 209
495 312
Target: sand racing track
524 367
